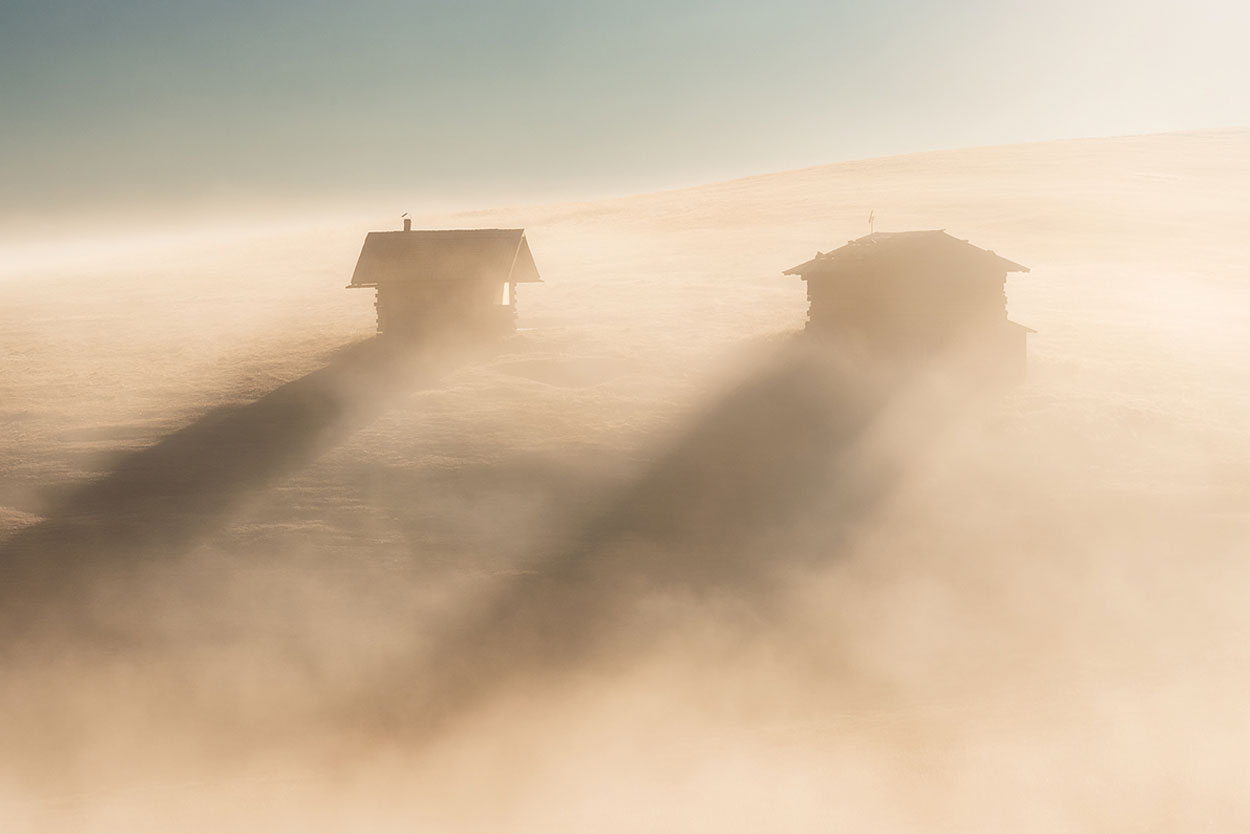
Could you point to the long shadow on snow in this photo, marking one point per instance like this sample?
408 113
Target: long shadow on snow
162 499
770 478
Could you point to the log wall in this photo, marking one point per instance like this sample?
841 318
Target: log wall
418 309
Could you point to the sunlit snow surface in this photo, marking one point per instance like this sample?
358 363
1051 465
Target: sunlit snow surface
591 579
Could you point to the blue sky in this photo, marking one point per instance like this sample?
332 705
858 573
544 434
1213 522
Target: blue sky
138 101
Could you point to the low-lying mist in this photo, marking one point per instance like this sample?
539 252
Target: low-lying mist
656 562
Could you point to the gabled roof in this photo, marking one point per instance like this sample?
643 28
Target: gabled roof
928 244
501 255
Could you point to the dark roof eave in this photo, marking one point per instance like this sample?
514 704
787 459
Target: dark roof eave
819 265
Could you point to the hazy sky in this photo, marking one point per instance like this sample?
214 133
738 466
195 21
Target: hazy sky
157 102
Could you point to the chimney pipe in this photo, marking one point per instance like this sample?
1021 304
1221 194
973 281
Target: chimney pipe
407 224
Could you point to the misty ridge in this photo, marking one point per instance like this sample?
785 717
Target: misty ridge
654 561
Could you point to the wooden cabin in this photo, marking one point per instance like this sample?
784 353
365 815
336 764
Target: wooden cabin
909 295
455 281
